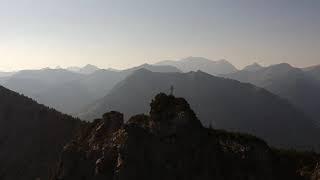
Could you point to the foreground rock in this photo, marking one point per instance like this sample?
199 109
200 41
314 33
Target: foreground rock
171 143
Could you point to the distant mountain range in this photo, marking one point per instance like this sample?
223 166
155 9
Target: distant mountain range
88 69
169 140
299 86
69 91
33 82
199 63
31 136
72 90
218 102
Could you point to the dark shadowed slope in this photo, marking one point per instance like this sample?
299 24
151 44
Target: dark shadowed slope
288 82
203 64
171 144
31 136
219 102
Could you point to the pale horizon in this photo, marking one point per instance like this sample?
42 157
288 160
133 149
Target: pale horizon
123 34
135 65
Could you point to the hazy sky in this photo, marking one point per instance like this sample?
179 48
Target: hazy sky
118 33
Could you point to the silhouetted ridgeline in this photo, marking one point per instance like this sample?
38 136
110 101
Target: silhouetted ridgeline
171 143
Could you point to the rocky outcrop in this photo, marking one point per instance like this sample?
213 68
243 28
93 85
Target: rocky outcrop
91 154
171 143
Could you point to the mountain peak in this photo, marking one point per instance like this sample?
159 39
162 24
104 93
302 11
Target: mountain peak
192 58
88 69
253 67
172 114
154 68
287 65
200 63
281 68
90 66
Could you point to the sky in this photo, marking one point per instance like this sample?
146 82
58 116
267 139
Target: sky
125 33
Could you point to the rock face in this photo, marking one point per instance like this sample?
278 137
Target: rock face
171 143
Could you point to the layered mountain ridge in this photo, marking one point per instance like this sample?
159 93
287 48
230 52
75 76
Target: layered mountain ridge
220 103
69 91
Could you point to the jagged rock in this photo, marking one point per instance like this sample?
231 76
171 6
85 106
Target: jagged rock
172 115
171 144
140 120
112 122
316 173
90 153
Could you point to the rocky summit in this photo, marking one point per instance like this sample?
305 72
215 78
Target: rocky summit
169 144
